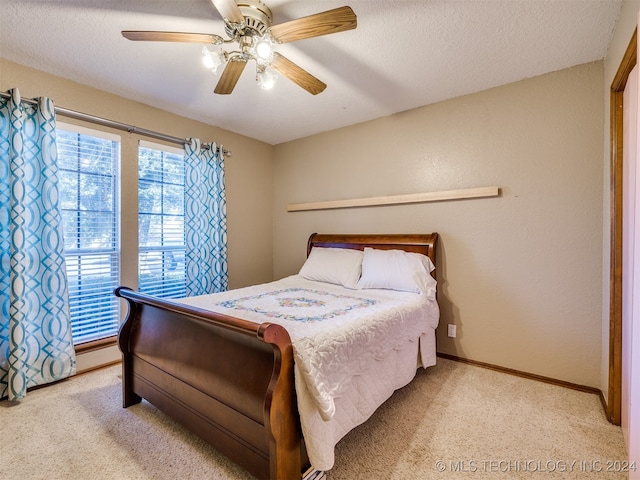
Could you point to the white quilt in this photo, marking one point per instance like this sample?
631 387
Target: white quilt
352 348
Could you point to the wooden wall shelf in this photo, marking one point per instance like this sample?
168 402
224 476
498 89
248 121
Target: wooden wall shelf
398 199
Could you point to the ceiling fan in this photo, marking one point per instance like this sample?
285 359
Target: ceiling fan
249 24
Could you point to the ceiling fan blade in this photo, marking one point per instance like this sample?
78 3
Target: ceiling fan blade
297 75
230 76
324 23
229 10
172 37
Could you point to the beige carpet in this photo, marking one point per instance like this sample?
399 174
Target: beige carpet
454 421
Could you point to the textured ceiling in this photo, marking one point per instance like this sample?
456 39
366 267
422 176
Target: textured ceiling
403 54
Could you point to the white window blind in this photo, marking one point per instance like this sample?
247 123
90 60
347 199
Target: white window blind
89 162
161 178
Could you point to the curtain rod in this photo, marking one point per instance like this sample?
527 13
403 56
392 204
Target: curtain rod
111 123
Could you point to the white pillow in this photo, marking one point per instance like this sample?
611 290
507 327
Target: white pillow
397 270
341 266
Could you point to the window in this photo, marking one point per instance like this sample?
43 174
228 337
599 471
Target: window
161 178
89 162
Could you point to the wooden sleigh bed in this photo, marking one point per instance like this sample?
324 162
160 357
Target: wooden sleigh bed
228 380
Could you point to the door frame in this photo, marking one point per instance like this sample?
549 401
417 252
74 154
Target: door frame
614 400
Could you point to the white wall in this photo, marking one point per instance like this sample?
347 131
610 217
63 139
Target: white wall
520 275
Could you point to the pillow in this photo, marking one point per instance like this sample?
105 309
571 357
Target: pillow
397 270
341 266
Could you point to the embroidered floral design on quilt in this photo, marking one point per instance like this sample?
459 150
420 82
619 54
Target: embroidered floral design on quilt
299 304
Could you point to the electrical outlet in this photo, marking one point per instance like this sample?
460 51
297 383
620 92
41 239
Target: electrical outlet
451 330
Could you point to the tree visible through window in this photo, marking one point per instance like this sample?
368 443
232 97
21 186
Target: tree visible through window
161 221
89 162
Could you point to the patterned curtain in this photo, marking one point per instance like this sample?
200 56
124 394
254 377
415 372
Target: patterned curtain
35 325
205 220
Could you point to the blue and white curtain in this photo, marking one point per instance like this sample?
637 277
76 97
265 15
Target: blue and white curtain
35 325
205 219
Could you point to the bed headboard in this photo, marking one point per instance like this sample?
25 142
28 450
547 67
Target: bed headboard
424 243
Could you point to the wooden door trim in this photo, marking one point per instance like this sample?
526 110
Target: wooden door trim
614 400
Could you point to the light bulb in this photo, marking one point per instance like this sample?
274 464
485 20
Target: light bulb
212 60
207 60
263 50
266 79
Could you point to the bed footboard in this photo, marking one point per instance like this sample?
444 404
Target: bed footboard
227 380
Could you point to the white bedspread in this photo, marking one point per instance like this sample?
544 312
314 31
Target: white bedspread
352 348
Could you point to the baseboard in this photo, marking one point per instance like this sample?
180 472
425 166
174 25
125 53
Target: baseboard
603 401
97 358
531 376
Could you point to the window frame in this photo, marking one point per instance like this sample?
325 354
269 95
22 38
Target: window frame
114 251
165 289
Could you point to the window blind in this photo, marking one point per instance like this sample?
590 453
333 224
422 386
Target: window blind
161 259
89 162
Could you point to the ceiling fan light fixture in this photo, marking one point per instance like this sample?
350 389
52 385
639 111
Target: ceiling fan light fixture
249 24
213 60
266 78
